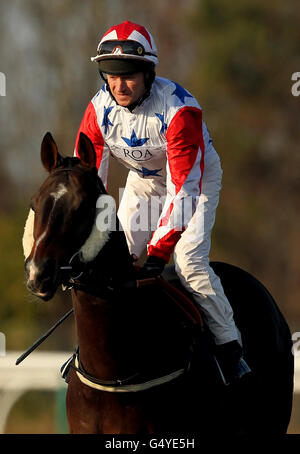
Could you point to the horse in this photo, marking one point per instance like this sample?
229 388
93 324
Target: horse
144 363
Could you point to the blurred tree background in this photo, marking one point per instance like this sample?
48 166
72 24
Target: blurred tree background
237 58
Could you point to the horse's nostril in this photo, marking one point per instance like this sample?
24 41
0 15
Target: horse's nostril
31 270
32 287
46 285
41 277
43 289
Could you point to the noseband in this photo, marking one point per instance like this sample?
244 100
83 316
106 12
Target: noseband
73 270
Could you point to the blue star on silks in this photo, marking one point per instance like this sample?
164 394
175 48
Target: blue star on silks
103 88
164 125
149 173
181 92
134 141
106 121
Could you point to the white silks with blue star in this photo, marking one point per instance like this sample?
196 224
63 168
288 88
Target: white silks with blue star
162 140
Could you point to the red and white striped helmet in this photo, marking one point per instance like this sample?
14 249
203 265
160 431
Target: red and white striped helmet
127 41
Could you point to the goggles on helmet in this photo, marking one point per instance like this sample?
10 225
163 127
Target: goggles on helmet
120 47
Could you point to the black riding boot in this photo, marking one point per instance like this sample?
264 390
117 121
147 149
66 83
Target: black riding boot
230 360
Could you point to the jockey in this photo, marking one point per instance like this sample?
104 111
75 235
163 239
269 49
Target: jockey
154 127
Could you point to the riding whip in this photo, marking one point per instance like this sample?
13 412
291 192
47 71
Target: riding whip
43 337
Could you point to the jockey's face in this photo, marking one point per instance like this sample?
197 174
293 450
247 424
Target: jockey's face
128 88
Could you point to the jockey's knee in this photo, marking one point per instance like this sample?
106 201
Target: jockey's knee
190 268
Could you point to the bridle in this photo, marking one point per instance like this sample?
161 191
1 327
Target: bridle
75 267
71 273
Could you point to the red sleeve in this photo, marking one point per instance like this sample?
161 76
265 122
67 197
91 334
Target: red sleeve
185 150
90 127
184 137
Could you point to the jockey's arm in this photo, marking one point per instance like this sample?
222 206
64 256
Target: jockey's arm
185 165
89 126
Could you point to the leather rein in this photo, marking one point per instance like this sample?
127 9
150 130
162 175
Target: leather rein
124 384
131 383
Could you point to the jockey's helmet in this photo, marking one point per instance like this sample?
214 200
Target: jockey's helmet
126 48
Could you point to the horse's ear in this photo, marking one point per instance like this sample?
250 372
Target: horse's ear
49 153
86 151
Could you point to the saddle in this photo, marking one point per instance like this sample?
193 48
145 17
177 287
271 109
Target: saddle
170 285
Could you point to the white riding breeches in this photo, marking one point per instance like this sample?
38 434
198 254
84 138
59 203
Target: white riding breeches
139 211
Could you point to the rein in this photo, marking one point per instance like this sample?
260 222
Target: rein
177 296
122 385
125 384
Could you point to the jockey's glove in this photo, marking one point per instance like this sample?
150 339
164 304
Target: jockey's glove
153 266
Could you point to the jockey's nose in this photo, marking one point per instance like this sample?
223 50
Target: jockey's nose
121 85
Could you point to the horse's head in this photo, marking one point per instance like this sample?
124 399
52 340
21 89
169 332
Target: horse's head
62 216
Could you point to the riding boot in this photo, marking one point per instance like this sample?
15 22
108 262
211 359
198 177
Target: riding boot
232 365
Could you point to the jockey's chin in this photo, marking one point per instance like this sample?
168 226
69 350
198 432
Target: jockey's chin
127 89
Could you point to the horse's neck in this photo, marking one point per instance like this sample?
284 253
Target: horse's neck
93 323
96 316
114 261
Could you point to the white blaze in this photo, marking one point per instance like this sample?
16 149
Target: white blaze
61 190
28 239
105 222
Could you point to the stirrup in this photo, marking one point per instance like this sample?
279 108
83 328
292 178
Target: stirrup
241 370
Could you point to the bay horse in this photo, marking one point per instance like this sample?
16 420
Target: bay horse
143 366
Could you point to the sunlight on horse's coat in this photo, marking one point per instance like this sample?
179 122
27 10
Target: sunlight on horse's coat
27 240
32 271
93 245
38 241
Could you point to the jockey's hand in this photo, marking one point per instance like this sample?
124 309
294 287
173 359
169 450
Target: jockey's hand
134 258
153 267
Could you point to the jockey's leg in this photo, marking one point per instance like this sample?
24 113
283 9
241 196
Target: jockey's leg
139 211
206 288
191 257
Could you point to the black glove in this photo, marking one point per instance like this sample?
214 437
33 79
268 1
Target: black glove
153 266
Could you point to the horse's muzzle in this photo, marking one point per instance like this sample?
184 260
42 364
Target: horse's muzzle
41 279
44 295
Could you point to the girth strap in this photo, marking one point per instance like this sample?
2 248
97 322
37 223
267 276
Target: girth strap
126 388
115 386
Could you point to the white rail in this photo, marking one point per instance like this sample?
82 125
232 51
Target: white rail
41 370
